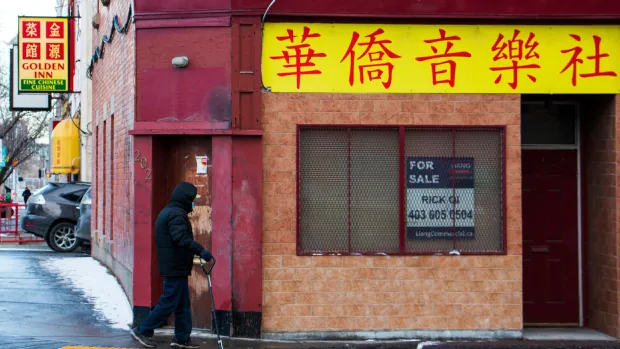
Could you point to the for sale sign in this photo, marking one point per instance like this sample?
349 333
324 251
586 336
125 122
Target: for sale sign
440 198
43 54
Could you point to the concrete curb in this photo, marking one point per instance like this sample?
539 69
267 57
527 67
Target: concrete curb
208 340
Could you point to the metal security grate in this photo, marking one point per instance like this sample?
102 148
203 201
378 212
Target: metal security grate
486 148
428 153
454 195
397 190
374 190
323 190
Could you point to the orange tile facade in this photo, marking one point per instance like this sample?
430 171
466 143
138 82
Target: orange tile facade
383 293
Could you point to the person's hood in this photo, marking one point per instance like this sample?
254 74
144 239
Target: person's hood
183 196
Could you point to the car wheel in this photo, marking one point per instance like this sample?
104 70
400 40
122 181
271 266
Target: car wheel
62 238
48 242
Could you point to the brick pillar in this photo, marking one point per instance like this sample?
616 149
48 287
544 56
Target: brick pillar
221 239
145 273
247 192
599 150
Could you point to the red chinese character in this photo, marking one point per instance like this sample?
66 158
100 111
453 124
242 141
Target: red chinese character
55 30
31 50
596 57
31 29
55 51
451 64
374 70
299 59
515 53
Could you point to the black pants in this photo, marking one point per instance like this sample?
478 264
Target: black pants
175 299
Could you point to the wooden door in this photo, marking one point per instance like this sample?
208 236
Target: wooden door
180 165
550 233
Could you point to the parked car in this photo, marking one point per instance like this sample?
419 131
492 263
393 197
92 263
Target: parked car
53 212
82 228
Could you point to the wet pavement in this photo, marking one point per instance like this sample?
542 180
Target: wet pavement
35 305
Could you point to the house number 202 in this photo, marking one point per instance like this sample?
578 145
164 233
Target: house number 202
143 164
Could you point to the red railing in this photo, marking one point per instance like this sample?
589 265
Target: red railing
10 231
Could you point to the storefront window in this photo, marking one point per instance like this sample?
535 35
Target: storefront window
398 190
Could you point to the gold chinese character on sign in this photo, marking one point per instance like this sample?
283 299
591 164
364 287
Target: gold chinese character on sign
54 51
32 51
55 30
32 30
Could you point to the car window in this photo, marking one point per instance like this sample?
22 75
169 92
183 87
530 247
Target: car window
46 189
74 196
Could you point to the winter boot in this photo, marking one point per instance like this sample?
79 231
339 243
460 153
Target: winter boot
184 345
146 341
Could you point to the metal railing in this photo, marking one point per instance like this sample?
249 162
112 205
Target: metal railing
10 231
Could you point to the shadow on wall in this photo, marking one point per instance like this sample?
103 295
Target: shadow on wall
218 103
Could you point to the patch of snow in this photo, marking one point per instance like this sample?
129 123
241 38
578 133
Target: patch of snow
101 288
423 344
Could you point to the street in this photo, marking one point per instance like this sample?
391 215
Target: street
39 309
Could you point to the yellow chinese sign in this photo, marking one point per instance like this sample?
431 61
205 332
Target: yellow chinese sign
392 58
43 54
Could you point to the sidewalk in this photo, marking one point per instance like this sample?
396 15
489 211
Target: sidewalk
210 342
254 344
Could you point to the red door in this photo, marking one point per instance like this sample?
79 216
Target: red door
550 257
178 164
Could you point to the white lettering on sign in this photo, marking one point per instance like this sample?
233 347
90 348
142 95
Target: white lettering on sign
434 179
462 166
421 165
440 198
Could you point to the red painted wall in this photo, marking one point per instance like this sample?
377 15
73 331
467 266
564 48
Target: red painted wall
247 191
199 92
440 8
533 9
150 6
145 277
221 221
246 65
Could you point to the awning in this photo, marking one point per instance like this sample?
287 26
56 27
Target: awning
65 147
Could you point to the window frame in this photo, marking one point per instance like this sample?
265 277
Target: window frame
402 189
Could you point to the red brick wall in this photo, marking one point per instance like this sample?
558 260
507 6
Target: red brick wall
114 94
383 293
599 129
613 144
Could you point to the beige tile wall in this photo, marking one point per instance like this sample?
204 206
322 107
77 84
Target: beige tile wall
383 293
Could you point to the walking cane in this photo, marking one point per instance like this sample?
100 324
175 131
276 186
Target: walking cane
208 272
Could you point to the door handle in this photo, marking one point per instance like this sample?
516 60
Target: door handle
540 249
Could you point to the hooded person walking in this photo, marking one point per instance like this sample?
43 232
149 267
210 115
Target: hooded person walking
176 249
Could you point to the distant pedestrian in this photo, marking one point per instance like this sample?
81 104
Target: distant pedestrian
26 194
176 249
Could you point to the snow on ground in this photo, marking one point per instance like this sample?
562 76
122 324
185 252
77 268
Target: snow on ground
97 285
423 344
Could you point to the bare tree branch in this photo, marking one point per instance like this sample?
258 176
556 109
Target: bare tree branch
19 130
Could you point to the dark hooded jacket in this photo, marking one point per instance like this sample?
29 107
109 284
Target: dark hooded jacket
173 234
